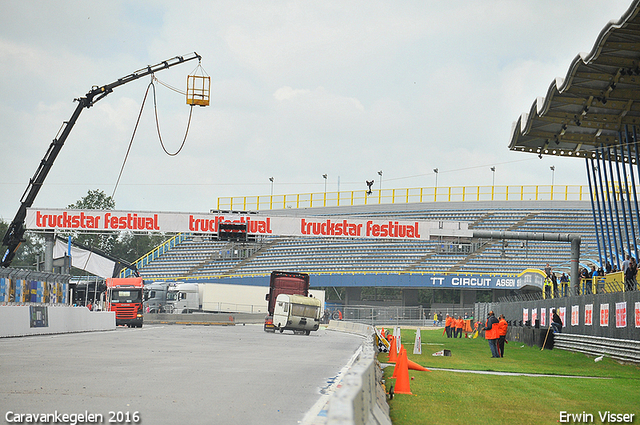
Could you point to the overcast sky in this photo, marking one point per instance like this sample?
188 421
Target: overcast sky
298 89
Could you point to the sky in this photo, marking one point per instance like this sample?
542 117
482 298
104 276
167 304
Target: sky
298 89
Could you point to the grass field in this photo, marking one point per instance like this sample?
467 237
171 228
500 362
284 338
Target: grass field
446 397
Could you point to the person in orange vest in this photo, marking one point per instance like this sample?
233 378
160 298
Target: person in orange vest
447 325
502 334
459 325
491 334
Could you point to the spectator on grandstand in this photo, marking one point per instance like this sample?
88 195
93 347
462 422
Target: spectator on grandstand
630 275
584 275
593 274
440 316
608 267
548 271
554 282
564 283
625 263
435 318
547 287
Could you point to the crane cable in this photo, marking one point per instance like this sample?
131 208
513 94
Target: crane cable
155 108
135 129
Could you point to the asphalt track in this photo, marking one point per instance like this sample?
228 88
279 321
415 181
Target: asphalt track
172 374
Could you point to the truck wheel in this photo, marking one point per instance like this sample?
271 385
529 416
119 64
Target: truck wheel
308 332
281 330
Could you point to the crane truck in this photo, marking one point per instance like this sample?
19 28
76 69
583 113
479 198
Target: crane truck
289 304
15 232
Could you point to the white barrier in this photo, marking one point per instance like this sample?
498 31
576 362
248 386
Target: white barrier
360 400
17 320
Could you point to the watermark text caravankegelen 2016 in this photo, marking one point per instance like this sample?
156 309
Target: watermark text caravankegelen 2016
72 418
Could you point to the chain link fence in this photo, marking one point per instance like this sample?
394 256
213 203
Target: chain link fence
395 316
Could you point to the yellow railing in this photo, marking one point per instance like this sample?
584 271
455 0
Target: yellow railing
153 254
406 196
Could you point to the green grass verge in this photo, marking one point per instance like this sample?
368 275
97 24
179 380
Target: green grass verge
445 397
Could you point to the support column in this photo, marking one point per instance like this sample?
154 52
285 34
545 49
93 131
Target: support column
467 297
49 240
352 295
410 297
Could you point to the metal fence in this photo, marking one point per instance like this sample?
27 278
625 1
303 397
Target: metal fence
604 318
396 316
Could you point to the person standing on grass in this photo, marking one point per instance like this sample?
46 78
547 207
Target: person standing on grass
502 334
491 334
459 325
447 325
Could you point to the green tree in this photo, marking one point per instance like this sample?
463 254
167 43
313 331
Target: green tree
27 254
131 246
95 200
125 245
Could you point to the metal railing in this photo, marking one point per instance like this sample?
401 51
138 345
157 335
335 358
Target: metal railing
406 196
619 349
157 252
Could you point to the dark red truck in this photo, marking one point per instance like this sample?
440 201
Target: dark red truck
290 283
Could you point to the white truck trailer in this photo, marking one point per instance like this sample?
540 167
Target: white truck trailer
221 297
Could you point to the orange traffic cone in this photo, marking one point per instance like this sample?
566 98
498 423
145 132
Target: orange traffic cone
416 366
402 380
393 354
397 367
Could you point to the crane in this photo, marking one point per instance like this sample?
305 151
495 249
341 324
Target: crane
15 233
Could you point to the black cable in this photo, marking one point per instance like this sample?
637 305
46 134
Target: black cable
158 127
132 136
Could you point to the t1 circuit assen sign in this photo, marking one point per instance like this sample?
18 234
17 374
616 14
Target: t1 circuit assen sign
100 220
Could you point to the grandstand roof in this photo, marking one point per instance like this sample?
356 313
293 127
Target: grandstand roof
599 96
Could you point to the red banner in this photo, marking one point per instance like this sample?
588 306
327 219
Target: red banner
588 314
621 314
604 314
575 315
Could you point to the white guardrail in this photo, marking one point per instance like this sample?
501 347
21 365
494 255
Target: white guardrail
359 399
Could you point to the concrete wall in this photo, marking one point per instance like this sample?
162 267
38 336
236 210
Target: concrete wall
360 399
40 319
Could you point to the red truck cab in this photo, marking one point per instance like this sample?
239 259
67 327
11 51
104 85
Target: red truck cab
125 297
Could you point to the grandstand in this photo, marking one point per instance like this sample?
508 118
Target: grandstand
203 257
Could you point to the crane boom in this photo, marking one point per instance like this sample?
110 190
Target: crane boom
14 235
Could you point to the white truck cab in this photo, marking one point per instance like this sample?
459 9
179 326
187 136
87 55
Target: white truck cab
297 313
183 298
